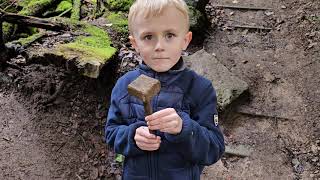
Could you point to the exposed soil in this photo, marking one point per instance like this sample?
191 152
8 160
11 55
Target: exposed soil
280 123
52 121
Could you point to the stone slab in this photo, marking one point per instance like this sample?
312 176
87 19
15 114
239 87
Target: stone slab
228 86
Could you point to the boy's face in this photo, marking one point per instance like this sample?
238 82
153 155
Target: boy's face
161 39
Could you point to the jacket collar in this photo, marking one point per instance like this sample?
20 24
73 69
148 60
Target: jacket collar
167 77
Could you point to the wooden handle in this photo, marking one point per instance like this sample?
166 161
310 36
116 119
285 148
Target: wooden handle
148 111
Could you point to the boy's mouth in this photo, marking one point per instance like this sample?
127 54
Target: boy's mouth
160 58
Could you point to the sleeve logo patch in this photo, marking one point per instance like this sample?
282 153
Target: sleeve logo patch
216 120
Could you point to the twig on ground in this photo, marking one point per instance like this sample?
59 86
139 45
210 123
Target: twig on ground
64 143
66 11
250 27
9 5
3 4
255 114
83 140
78 176
31 21
242 7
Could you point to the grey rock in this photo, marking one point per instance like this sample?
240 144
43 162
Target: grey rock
315 159
228 87
66 35
238 150
268 77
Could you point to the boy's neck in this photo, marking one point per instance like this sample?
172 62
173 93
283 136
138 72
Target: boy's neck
178 65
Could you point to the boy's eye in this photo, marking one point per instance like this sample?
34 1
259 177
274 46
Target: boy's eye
147 37
170 35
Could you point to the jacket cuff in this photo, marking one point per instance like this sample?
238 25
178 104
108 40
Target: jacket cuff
133 149
186 131
133 128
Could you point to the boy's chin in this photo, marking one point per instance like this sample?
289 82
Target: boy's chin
161 69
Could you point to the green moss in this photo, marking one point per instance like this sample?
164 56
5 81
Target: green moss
34 6
23 3
95 47
119 5
6 27
120 158
63 6
75 14
73 24
30 39
119 22
6 30
194 16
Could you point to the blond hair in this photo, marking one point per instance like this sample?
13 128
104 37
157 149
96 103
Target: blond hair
150 8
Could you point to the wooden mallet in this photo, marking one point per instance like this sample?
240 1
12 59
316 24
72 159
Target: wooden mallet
144 88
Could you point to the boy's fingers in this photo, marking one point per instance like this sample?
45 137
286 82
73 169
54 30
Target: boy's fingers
145 140
148 147
144 131
159 114
166 130
162 120
170 125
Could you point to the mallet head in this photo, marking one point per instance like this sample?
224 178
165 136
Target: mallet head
144 87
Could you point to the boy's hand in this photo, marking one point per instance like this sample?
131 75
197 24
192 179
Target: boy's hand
166 120
145 140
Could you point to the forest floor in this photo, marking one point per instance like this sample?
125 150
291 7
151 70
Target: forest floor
279 123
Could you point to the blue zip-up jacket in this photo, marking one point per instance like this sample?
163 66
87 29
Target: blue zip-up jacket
182 156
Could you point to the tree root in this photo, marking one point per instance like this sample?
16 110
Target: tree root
52 98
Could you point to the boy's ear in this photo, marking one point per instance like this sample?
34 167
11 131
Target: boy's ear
133 43
187 40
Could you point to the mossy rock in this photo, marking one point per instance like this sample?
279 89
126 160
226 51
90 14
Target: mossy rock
87 54
119 22
119 5
33 7
91 52
24 42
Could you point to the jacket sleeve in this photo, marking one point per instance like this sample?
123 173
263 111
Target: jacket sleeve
200 140
119 132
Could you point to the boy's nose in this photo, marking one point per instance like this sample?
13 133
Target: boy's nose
160 45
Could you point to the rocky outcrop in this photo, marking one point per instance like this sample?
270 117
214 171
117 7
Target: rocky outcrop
86 49
228 87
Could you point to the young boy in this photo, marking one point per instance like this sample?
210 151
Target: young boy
186 137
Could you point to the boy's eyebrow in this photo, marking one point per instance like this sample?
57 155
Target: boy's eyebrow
146 32
150 32
171 30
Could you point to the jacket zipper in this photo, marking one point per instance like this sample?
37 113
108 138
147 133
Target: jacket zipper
153 155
